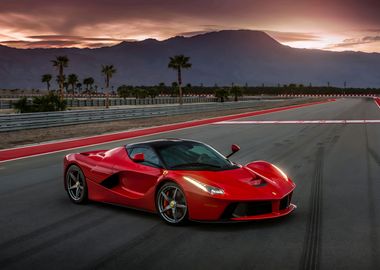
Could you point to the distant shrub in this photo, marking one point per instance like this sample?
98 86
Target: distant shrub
22 105
221 94
48 103
236 91
122 91
152 92
140 93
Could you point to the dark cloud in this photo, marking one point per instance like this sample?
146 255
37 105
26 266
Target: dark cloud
40 44
351 42
78 38
69 14
373 30
51 41
371 39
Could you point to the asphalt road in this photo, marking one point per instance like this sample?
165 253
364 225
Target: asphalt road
337 224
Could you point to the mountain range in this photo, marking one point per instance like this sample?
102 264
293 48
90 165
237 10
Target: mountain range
224 57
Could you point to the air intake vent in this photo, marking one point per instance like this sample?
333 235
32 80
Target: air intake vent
111 181
257 182
285 202
246 209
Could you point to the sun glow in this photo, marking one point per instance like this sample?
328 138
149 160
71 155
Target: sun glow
323 42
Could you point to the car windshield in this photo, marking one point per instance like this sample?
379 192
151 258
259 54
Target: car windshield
188 155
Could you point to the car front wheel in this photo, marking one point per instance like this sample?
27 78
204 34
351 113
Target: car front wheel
171 204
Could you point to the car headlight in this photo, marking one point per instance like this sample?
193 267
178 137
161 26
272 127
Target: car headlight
207 188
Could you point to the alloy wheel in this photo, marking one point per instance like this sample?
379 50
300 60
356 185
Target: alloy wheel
76 185
171 203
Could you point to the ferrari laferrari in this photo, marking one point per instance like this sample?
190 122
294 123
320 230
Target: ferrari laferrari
180 180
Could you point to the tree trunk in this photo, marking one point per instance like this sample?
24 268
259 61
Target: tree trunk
107 94
73 91
88 91
61 81
180 86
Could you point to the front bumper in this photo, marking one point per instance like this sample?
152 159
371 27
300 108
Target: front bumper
216 209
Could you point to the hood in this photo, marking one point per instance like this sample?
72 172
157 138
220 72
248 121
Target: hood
240 184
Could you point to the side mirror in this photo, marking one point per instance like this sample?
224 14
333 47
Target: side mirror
139 157
234 148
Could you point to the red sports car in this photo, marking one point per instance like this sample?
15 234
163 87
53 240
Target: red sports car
180 180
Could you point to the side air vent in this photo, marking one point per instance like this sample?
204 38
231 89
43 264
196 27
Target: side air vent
111 181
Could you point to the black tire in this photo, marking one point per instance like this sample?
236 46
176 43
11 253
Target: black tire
76 186
171 204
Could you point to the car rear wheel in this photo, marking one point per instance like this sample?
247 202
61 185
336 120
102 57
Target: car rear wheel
76 185
171 204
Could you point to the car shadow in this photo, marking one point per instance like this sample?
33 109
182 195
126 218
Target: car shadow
225 226
241 225
122 210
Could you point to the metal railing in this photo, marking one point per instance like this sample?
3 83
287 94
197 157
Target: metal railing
11 122
6 103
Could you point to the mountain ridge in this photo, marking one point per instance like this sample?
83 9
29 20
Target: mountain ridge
222 57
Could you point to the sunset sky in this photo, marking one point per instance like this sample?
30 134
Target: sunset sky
322 24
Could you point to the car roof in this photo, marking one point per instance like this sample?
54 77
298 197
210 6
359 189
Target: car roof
160 142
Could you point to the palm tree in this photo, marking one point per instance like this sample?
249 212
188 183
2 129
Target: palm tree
60 63
72 80
179 62
108 71
88 82
78 86
46 78
66 86
61 79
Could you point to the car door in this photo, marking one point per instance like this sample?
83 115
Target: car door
142 176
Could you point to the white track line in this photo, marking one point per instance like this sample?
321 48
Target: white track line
298 122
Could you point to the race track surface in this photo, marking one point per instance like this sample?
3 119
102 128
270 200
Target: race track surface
337 224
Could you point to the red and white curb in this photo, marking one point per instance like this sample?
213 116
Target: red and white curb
377 101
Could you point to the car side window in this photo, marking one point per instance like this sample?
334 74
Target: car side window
151 158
